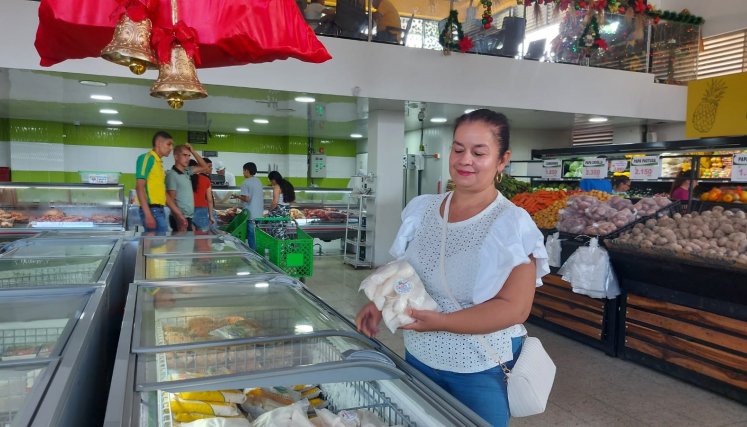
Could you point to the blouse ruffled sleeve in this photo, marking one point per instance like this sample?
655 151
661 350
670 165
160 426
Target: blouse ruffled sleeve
510 242
412 216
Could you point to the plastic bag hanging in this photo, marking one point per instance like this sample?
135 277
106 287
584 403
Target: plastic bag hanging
590 273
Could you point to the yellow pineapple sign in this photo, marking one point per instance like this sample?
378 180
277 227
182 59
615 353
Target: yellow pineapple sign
717 106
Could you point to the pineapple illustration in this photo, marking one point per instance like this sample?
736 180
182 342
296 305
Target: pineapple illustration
704 115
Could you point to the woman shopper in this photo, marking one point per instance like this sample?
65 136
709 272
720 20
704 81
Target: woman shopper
283 194
494 258
681 187
620 184
203 196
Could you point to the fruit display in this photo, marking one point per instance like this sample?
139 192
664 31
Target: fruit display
718 235
538 200
672 166
510 186
725 195
555 187
716 166
650 205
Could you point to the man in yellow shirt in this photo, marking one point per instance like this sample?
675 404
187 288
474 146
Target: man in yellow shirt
388 25
151 184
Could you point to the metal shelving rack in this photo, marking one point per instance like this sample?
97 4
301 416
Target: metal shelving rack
357 232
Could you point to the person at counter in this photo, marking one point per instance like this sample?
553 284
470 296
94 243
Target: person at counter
220 169
681 187
252 196
493 257
620 184
150 183
202 191
179 186
283 194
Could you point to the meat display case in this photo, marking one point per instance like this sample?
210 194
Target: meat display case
259 332
44 206
320 212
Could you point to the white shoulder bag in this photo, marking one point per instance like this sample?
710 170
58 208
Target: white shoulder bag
531 379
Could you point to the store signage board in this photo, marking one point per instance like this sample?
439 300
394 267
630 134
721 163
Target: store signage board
645 168
552 169
739 168
594 168
715 106
618 166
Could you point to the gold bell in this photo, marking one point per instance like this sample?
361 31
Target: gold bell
130 45
177 80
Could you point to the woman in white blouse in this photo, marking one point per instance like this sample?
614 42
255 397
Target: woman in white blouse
494 257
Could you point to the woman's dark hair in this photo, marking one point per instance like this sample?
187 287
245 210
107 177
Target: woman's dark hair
679 179
620 179
497 122
286 188
194 177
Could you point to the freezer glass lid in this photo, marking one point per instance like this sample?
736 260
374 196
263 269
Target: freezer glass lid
36 327
197 266
210 313
49 272
198 244
62 248
16 384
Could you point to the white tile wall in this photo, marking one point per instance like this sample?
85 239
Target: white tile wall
29 156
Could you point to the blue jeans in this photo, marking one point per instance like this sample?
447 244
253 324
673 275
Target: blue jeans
484 392
201 219
251 238
159 215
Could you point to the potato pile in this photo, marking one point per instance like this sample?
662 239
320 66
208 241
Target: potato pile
717 234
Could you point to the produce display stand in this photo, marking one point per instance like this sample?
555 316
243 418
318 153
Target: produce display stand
685 318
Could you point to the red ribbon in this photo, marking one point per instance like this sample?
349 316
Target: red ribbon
465 44
163 39
136 10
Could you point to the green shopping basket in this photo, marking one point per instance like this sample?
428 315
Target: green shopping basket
294 255
237 226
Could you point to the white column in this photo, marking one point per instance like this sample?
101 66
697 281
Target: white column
386 135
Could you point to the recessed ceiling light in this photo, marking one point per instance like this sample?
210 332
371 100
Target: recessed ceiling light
469 110
91 83
101 97
356 135
598 119
108 111
114 122
439 120
261 121
304 99
242 129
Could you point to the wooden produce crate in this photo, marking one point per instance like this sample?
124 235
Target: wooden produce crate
588 320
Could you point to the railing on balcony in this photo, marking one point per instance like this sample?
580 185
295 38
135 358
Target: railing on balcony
668 49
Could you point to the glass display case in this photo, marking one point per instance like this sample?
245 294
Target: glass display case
51 248
226 207
262 344
62 206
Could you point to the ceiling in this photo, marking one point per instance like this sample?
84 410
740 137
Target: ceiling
60 97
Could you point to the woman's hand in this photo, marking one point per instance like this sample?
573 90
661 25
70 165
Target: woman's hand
368 319
426 320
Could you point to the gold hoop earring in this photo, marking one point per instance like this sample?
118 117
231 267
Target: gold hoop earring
499 178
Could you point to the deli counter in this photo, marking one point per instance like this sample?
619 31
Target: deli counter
320 212
262 344
43 206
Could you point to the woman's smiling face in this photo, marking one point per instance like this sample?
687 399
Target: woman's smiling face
475 158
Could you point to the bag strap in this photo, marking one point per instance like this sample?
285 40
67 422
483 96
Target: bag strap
442 266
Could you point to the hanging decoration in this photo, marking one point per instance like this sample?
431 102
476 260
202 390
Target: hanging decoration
178 52
446 38
622 7
130 45
590 37
668 15
487 14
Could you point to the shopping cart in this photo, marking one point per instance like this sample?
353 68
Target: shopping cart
286 245
237 226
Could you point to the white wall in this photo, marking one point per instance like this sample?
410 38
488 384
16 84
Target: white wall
669 131
720 16
523 141
392 72
627 134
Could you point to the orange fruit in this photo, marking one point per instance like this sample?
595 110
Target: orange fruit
727 198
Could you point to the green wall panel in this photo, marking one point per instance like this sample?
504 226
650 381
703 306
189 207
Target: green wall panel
4 130
38 176
332 147
36 131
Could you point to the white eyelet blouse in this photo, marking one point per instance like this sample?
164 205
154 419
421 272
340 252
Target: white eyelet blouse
480 254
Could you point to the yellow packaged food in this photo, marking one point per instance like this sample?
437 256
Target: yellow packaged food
199 407
188 417
229 396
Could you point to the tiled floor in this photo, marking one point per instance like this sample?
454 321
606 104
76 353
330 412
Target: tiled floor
591 389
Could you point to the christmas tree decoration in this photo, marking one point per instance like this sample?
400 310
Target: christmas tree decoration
590 37
446 38
130 45
487 14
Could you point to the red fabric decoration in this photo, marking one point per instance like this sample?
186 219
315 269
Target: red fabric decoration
600 43
231 32
600 5
136 10
564 4
656 19
163 39
640 6
465 44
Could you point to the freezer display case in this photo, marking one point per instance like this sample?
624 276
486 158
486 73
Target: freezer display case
36 330
226 206
8 237
192 243
62 206
239 349
45 248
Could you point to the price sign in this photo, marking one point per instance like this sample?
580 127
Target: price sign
739 168
645 167
552 169
618 165
594 168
